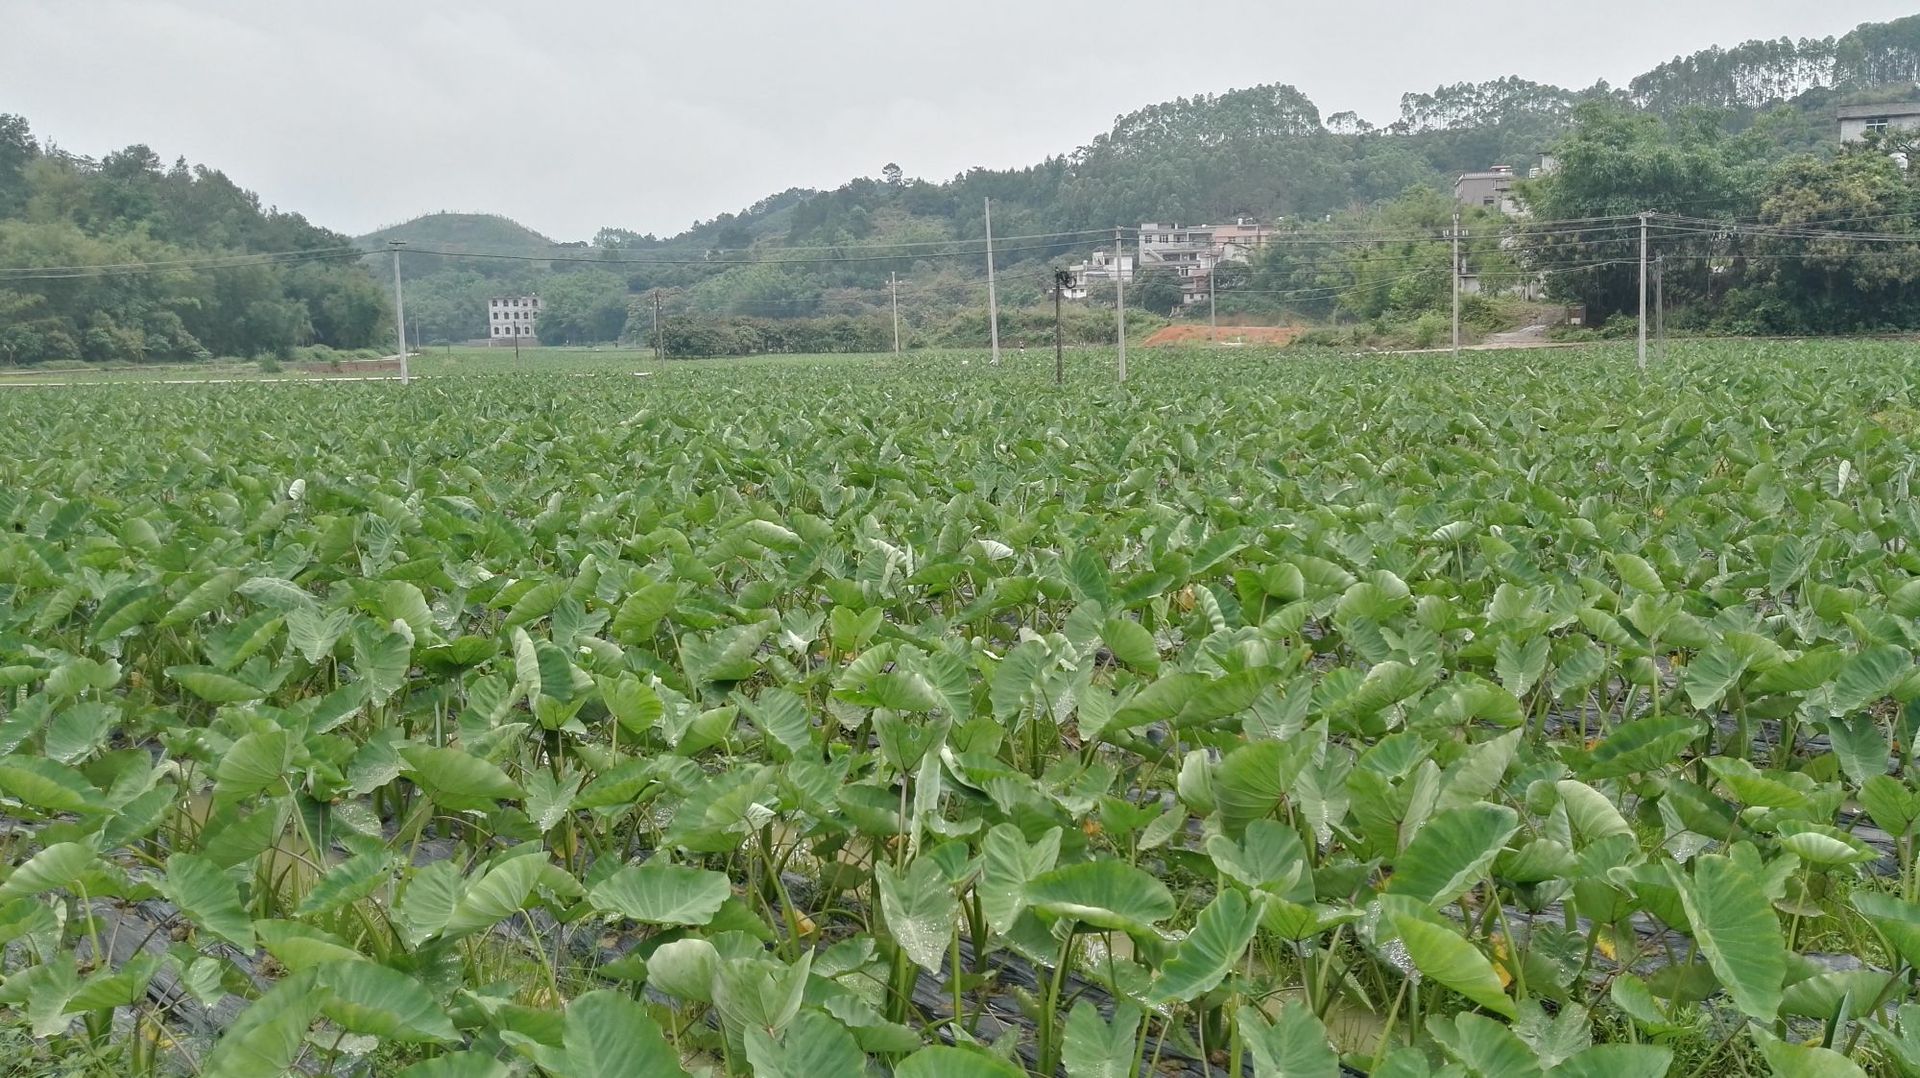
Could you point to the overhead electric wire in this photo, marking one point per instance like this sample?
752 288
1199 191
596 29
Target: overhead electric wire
853 260
1782 231
1667 225
212 262
1357 286
844 253
1808 221
911 243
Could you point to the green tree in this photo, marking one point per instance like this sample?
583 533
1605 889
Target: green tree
1618 162
1833 283
57 210
584 307
1157 289
17 148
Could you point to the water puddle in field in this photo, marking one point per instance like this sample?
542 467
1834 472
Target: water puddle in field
1353 1029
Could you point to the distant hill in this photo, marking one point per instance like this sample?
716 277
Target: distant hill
466 231
1266 152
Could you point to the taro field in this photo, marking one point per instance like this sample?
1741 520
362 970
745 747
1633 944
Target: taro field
1275 714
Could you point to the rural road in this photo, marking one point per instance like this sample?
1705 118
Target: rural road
1524 337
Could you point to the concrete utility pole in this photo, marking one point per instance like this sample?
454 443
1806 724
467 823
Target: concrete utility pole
1061 278
1643 290
1213 312
399 308
1456 284
659 345
993 298
893 286
1120 301
1660 304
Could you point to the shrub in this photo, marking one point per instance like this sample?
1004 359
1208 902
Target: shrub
1429 329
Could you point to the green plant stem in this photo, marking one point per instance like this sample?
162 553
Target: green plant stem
1386 1029
959 1000
1047 1036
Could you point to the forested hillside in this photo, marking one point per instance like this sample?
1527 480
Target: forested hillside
234 278
220 275
466 231
1266 151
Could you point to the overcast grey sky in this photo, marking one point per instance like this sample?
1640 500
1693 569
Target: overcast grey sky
572 114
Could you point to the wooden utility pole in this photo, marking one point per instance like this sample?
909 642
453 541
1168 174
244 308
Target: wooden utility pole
1120 303
993 298
893 286
399 308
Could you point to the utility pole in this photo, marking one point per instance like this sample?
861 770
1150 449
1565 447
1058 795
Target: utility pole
1061 279
659 346
1120 301
1660 303
893 286
399 308
1213 312
1643 290
1456 284
993 298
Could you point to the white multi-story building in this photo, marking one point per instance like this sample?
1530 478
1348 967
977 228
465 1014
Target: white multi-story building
1194 250
512 319
1100 266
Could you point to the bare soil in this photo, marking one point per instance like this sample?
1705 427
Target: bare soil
359 366
1223 335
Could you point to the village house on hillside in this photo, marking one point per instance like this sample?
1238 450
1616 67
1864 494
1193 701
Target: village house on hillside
512 319
1859 121
1192 251
1492 188
1100 267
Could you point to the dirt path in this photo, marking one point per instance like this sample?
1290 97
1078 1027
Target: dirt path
1524 337
1227 335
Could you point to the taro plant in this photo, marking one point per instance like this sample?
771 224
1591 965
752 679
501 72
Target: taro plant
1483 717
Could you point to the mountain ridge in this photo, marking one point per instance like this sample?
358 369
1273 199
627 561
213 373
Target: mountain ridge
461 230
1453 128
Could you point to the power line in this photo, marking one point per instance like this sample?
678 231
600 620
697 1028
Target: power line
902 243
1354 287
850 260
1786 231
1671 225
217 262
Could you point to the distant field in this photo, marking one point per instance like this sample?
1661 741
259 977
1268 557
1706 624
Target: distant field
460 361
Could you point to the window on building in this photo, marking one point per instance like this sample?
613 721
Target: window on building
1878 125
1488 201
